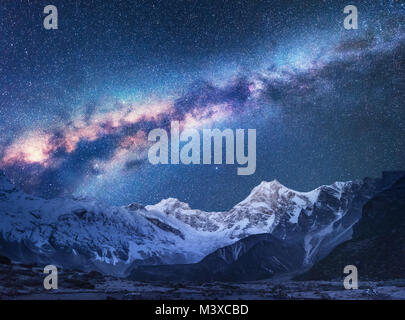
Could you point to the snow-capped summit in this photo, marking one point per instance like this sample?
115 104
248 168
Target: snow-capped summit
266 185
170 205
198 220
265 191
270 197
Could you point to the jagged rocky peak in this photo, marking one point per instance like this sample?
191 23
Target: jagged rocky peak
269 185
170 205
273 192
266 189
340 185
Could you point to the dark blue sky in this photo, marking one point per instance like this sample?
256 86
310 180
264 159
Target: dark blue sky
327 103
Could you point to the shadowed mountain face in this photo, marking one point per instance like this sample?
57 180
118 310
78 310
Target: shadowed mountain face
253 258
377 248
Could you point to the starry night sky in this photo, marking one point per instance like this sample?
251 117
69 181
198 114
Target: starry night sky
77 103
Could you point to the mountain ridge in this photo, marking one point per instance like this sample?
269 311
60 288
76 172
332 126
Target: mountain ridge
91 234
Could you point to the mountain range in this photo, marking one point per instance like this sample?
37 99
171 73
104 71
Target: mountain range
274 230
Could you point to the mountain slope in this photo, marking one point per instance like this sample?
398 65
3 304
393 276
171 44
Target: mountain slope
377 248
320 219
84 233
253 258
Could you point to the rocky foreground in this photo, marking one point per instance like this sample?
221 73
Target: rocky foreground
25 281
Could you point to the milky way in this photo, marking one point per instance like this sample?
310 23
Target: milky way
77 103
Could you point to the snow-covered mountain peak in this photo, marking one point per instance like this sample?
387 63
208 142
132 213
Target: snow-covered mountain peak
268 185
169 205
267 188
270 195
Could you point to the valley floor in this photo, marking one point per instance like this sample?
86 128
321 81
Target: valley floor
19 281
